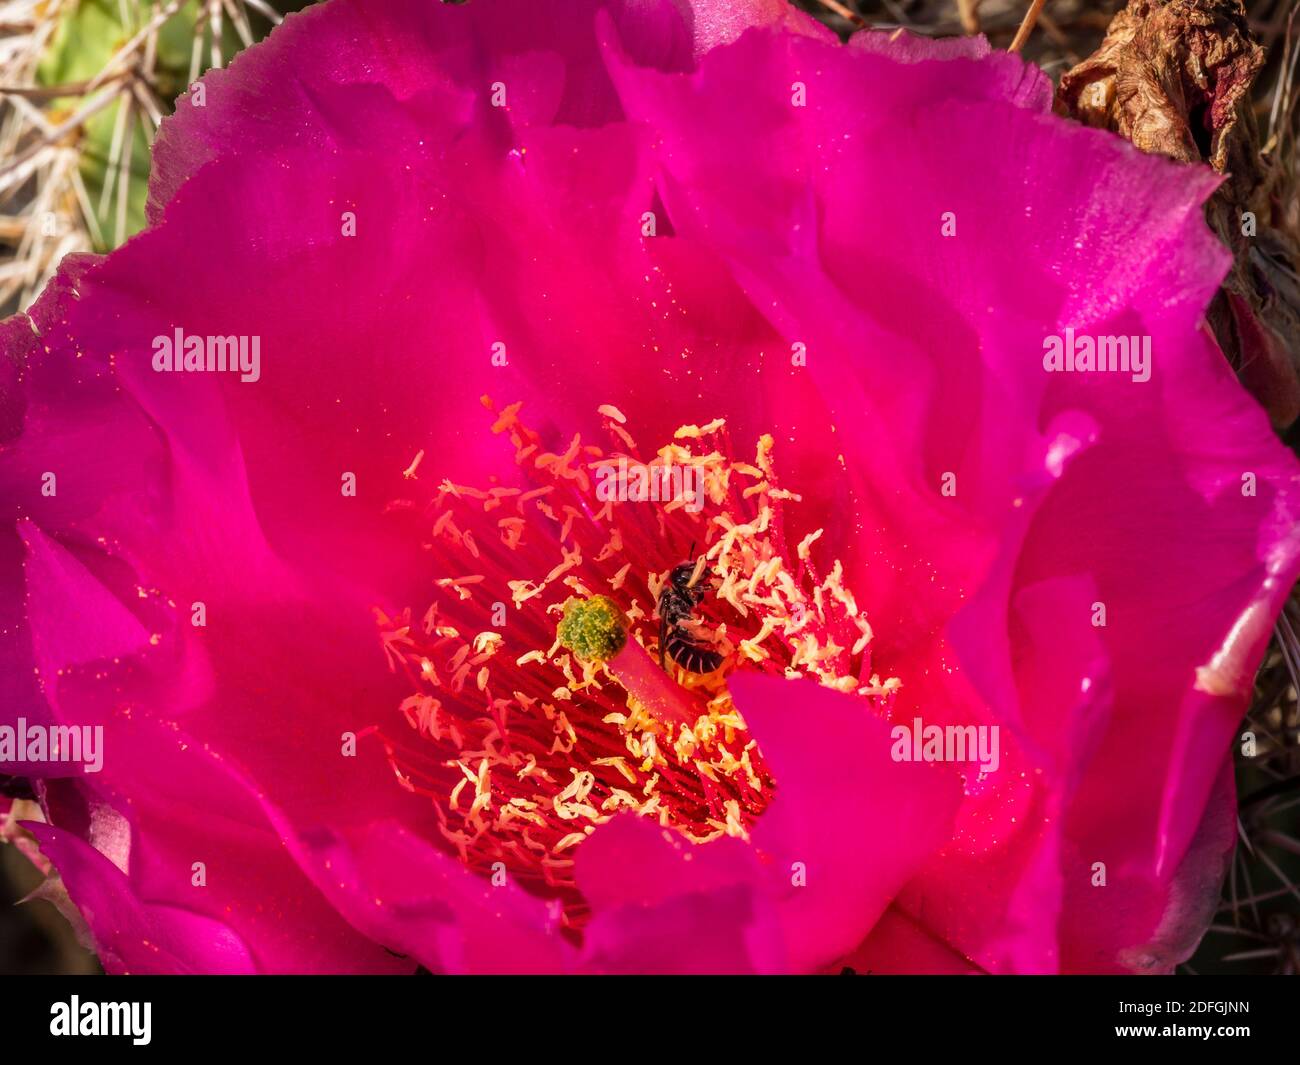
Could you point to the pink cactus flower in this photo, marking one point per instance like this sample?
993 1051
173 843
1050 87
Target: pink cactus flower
342 501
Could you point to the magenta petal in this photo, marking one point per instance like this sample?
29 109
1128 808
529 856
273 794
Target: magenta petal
848 827
133 935
688 934
660 905
928 349
898 945
398 890
412 67
79 620
848 821
1160 920
718 22
521 224
73 621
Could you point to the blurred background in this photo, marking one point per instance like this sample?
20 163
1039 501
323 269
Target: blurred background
83 87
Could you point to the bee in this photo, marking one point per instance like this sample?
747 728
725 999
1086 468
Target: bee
677 602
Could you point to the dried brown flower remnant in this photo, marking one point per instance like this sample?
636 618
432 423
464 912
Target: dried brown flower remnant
1174 78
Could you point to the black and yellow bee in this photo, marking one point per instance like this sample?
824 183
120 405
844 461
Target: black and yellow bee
677 602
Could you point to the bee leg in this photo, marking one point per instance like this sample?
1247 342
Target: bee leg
663 634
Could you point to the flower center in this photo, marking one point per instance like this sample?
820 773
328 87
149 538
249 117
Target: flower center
573 661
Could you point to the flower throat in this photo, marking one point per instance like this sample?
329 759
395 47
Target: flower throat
539 707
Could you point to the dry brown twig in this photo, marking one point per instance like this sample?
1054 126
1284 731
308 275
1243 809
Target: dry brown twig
1027 26
844 12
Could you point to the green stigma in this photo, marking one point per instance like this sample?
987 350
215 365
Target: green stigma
593 629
